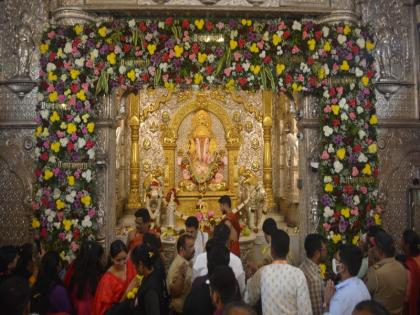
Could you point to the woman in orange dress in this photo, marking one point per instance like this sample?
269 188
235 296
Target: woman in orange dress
116 282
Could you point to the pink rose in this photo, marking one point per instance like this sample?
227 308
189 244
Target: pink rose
171 54
354 171
192 57
74 246
227 71
237 55
295 49
340 90
355 211
363 189
60 216
326 226
72 101
74 137
327 109
62 236
352 116
260 44
91 213
325 155
61 98
56 171
51 35
85 86
50 88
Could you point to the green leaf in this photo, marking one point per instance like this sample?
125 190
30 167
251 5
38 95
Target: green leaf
157 77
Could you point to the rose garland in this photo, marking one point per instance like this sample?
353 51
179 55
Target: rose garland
78 63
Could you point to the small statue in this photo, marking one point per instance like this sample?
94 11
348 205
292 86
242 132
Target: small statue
153 197
25 46
172 202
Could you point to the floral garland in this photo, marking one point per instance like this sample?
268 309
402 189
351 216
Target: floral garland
79 63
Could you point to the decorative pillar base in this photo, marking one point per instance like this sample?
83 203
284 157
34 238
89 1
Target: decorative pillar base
72 16
340 16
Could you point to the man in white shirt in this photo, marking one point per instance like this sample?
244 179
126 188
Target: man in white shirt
342 298
221 235
200 237
281 287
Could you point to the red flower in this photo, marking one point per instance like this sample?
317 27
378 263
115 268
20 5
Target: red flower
209 25
165 57
121 79
332 91
239 68
241 43
74 87
76 42
178 79
169 21
357 148
43 233
288 79
142 26
70 146
367 104
76 234
52 56
44 201
145 77
336 180
44 156
355 49
126 48
352 102
370 74
89 144
318 35
286 35
348 189
267 60
195 48
310 61
209 70
185 24
38 172
312 81
243 81
376 172
336 122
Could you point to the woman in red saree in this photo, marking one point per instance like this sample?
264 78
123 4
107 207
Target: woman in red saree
411 247
231 219
115 283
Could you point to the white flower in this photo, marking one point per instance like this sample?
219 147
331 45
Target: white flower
131 23
341 39
326 94
164 66
80 62
77 119
187 46
94 54
67 48
359 109
87 175
266 37
358 72
47 212
69 236
362 158
304 67
296 26
161 24
210 78
45 113
356 200
342 103
63 77
122 69
352 86
246 66
70 198
81 142
326 69
211 58
56 193
344 116
64 141
233 34
57 225
279 51
51 67
337 166
39 97
37 152
325 31
362 134
110 70
327 131
262 54
361 42
91 153
357 31
328 212
327 179
330 148
86 221
52 159
117 49
84 39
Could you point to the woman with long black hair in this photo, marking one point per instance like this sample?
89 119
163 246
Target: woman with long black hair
83 277
49 294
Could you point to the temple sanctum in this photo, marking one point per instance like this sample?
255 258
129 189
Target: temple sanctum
300 110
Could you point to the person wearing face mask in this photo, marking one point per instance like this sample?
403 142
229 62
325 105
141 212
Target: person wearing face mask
387 279
316 252
342 298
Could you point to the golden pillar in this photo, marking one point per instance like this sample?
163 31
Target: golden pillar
134 122
267 161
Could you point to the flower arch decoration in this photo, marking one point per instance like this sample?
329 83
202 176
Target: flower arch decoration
81 62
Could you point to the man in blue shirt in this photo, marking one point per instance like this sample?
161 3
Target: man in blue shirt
342 298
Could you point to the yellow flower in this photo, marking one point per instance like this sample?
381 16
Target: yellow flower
255 69
248 22
38 131
345 66
35 223
151 48
321 73
63 125
74 73
70 180
78 29
276 39
102 31
54 117
131 75
254 48
60 53
201 57
71 128
296 87
86 200
345 213
178 51
48 174
45 133
198 78
341 153
112 58
243 22
55 147
323 270
378 219
336 238
52 76
81 95
365 80
85 117
59 204
346 30
43 48
370 45
355 240
327 46
373 120
373 148
199 23
329 187
233 44
311 44
67 225
280 68
335 109
230 84
90 127
367 170
169 85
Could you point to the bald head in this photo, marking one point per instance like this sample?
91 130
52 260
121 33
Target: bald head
239 308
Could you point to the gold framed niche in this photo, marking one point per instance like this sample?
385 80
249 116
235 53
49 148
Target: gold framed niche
188 200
